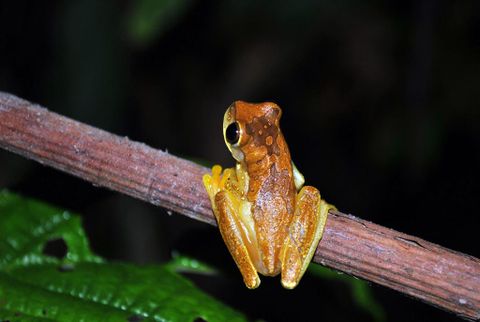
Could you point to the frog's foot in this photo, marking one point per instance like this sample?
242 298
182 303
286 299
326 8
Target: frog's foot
212 182
219 181
304 233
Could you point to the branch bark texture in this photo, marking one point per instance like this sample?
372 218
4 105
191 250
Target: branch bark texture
441 277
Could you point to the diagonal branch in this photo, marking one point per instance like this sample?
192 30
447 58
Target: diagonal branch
426 271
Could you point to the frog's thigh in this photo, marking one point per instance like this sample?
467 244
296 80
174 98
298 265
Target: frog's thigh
228 219
304 233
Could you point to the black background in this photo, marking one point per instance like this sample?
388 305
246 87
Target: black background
380 109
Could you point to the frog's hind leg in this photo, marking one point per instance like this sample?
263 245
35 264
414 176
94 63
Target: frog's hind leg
304 233
234 221
234 232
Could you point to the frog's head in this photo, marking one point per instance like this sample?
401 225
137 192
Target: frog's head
251 123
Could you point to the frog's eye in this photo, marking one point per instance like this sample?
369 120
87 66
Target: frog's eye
232 133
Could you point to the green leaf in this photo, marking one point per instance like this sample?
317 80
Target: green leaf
27 225
185 264
82 287
150 18
7 315
361 291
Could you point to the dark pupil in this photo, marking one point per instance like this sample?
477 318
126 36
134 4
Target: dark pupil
232 133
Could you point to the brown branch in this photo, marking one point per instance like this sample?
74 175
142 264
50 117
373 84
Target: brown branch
431 273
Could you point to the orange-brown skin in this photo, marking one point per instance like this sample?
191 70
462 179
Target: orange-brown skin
271 190
267 226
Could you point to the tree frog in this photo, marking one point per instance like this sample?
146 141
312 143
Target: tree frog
269 221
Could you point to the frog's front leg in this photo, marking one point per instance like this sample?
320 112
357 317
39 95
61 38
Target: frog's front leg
234 221
304 233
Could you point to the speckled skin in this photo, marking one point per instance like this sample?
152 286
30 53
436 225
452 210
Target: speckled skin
267 226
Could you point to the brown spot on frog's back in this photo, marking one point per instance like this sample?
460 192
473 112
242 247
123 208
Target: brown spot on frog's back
264 133
269 140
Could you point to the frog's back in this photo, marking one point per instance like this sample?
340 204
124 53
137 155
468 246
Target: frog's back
272 212
271 188
272 194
